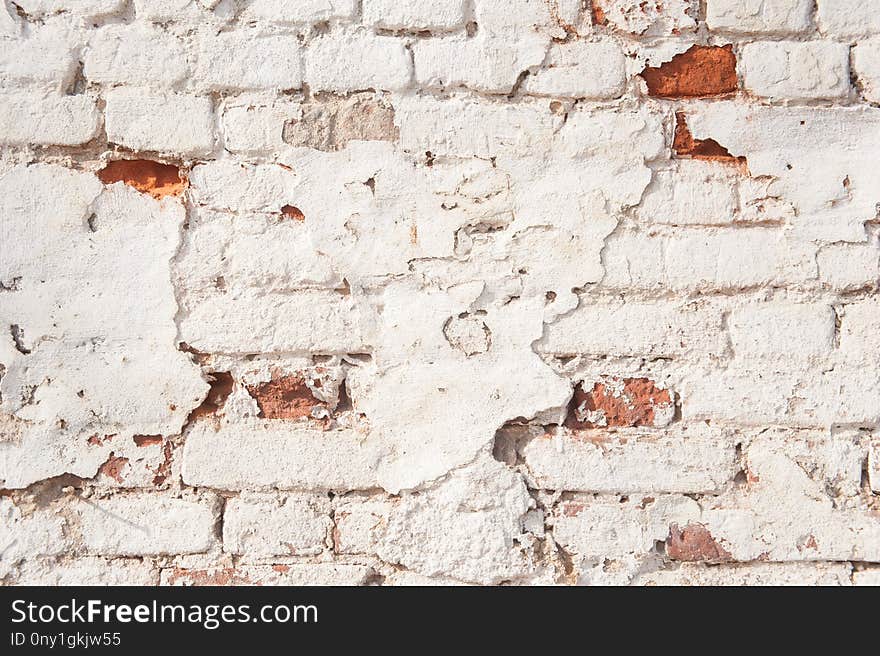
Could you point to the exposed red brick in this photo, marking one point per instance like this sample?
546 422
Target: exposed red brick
699 72
634 405
113 467
147 440
164 469
597 13
98 440
291 212
287 397
694 543
149 177
221 387
685 145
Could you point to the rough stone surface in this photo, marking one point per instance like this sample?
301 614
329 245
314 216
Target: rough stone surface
34 118
847 18
794 70
357 60
145 525
696 460
88 570
866 64
258 526
438 15
760 16
188 128
462 292
581 70
135 54
648 18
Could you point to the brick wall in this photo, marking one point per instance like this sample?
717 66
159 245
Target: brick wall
480 291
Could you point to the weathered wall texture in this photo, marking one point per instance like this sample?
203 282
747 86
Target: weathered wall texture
431 291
